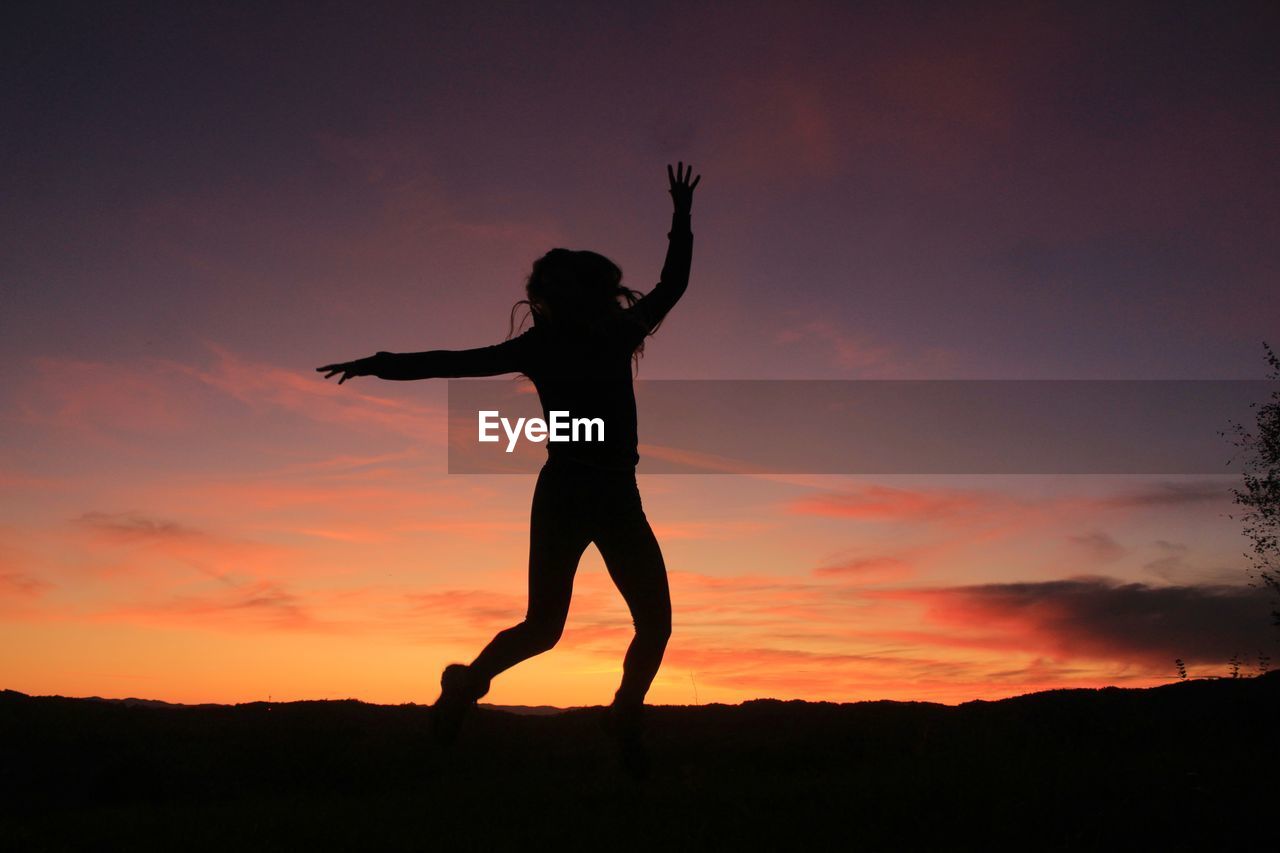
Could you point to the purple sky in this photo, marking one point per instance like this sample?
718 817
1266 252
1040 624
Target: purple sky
1028 190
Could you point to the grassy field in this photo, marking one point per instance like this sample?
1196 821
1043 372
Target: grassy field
1185 766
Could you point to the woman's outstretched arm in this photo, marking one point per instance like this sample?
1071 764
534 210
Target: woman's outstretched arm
506 357
653 307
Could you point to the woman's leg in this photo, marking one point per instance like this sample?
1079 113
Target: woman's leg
634 561
558 535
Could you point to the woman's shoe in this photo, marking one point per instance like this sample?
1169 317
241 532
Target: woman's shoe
460 689
625 726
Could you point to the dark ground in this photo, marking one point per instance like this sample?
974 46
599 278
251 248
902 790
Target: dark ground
1185 766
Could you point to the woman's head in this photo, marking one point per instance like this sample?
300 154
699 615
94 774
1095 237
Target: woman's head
574 287
576 292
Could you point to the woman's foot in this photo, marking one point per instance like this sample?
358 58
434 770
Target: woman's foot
625 727
460 688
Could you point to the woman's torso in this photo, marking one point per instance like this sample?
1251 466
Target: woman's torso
589 376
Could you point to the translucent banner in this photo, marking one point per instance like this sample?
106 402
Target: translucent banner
874 426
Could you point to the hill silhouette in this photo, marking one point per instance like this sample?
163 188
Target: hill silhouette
1184 765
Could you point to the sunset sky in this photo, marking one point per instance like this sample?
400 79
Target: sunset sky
202 202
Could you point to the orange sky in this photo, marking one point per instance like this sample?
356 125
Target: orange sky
257 532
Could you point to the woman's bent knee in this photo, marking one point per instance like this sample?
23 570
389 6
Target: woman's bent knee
654 630
543 635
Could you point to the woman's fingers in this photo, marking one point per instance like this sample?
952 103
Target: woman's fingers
679 178
332 370
681 187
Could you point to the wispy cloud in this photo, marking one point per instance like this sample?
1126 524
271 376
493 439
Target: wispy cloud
252 605
141 546
1172 494
877 568
1098 546
22 585
147 397
134 527
860 354
300 391
886 503
92 397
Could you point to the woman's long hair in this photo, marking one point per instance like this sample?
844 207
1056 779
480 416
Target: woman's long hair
579 293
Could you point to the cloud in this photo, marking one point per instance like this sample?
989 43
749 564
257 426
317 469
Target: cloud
100 397
476 608
860 354
302 392
147 547
1174 566
256 605
695 460
133 527
713 530
1099 546
153 397
1095 618
973 516
878 568
777 124
885 503
22 585
1171 494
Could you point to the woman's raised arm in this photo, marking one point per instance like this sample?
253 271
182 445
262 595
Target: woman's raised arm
673 282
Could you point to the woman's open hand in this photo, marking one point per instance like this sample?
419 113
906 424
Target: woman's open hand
681 188
360 367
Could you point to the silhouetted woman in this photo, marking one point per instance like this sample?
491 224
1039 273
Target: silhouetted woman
587 329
